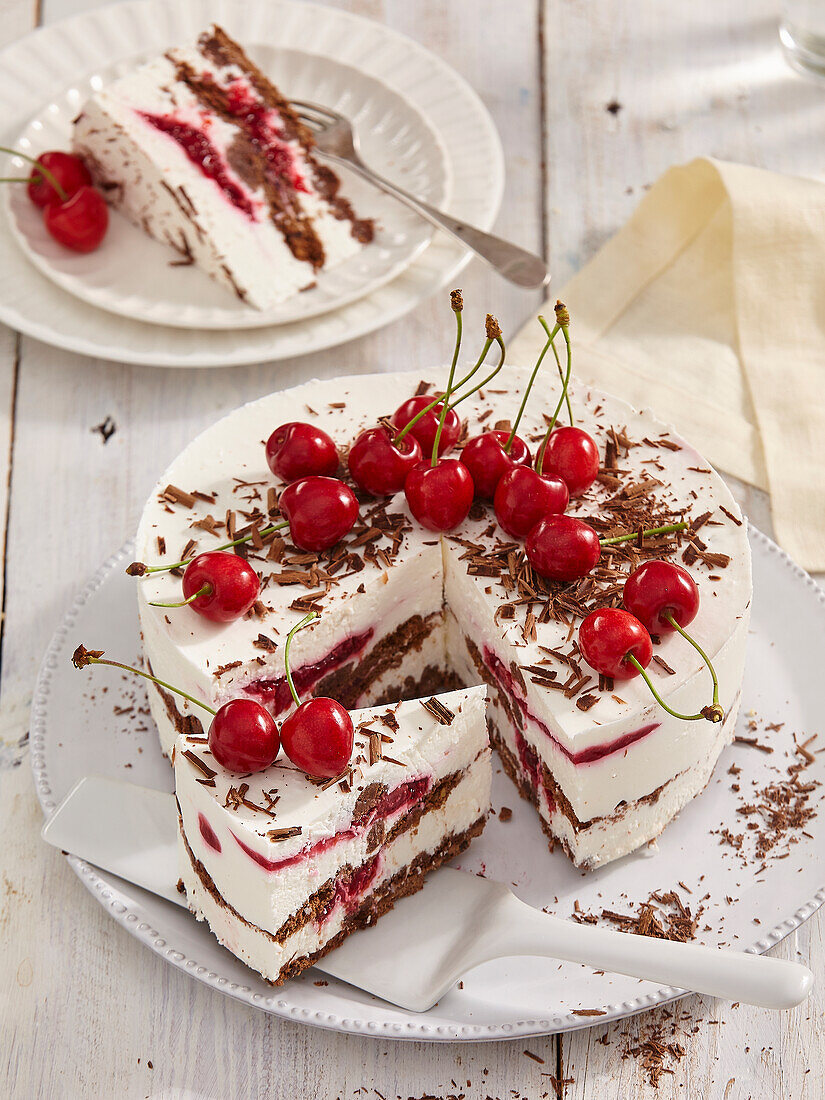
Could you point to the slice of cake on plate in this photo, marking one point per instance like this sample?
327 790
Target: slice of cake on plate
200 150
283 867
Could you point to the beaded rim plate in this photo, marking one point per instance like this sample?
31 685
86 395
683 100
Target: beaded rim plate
73 732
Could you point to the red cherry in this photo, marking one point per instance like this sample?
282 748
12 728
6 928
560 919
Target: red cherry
439 496
424 431
81 222
243 736
562 548
572 455
660 588
379 465
318 737
233 586
608 636
296 450
524 497
320 511
69 171
486 459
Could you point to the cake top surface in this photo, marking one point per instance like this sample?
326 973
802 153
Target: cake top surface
649 477
400 752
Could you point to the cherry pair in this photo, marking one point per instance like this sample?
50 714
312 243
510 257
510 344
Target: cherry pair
74 213
244 737
660 597
222 587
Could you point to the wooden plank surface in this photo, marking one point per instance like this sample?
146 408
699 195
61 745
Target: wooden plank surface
629 88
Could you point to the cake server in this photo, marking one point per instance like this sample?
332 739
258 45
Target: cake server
336 139
420 949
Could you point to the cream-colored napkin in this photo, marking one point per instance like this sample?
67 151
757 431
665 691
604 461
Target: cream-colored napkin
709 308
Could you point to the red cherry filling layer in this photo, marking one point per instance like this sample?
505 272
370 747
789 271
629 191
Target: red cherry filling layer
276 692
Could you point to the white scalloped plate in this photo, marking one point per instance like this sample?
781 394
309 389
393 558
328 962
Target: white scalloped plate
454 130
135 276
74 732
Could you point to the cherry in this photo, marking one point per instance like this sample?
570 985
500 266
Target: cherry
439 496
243 736
487 458
523 498
296 450
66 169
79 223
563 548
424 430
379 462
571 454
662 595
318 737
320 511
609 638
221 587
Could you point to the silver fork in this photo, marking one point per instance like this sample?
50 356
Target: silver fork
336 140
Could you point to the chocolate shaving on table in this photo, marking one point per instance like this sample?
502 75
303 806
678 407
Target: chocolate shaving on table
443 715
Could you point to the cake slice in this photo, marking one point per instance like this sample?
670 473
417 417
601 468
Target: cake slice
283 867
200 150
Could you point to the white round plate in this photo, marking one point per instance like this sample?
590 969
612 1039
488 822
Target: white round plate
76 731
461 156
134 276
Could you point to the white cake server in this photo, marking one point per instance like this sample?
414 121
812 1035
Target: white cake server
417 952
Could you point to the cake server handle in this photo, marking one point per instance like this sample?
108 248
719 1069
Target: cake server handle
518 929
515 264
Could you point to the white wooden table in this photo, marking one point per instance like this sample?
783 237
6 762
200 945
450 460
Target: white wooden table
593 102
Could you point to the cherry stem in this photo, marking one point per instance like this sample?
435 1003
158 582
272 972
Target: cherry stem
47 175
438 400
205 591
524 399
444 407
215 549
89 660
669 617
307 619
562 322
671 527
711 714
493 335
562 379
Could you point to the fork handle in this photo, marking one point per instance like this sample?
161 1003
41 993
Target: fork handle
519 266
